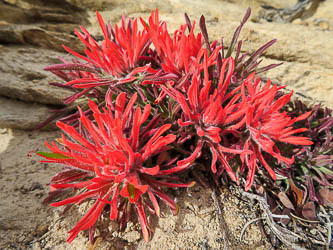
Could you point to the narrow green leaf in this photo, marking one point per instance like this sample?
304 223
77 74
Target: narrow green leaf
326 171
53 155
145 23
131 190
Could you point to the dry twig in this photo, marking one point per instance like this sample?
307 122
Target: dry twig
284 235
223 225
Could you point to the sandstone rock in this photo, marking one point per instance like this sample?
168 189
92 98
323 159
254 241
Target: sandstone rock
88 4
27 22
51 40
132 236
311 83
12 14
21 115
23 77
22 11
56 15
324 13
37 36
22 4
10 35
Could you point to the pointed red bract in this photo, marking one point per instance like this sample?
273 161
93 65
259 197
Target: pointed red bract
117 56
113 61
266 125
179 55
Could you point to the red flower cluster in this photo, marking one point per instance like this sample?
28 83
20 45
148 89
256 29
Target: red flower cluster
265 124
120 158
203 109
176 55
108 158
255 114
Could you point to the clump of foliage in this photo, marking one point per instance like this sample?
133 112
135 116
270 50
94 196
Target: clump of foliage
313 166
150 105
315 162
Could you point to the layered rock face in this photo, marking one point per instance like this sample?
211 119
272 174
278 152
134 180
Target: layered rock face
32 33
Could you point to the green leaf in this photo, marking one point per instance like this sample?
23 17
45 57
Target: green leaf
281 177
52 155
146 23
304 169
326 171
131 190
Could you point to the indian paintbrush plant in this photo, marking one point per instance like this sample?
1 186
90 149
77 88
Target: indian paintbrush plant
113 161
149 105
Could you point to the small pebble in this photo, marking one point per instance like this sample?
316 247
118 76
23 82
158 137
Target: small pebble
22 238
132 236
324 25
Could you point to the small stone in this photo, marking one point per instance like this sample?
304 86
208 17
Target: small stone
42 229
324 25
322 229
129 227
132 236
297 21
36 185
113 226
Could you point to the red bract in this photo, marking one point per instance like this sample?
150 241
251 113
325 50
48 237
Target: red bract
177 54
265 125
109 63
202 109
113 156
118 56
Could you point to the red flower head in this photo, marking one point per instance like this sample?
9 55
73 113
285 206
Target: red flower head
202 109
177 54
265 125
109 63
115 57
113 156
133 190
